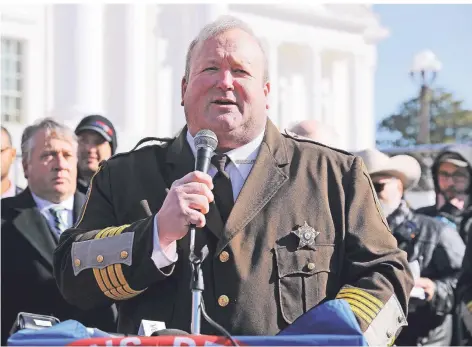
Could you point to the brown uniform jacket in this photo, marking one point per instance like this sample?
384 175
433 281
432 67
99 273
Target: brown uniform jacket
268 279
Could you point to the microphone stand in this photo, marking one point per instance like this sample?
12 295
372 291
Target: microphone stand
196 282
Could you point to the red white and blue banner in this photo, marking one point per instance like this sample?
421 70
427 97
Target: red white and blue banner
329 324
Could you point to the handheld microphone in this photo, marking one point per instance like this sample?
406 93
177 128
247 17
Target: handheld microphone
205 142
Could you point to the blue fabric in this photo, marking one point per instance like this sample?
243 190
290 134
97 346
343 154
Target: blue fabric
329 324
446 221
57 335
332 317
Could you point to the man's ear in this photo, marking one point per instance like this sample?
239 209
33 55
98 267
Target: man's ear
183 89
266 93
24 163
400 186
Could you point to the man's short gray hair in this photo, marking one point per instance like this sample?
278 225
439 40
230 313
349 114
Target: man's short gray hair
221 25
52 128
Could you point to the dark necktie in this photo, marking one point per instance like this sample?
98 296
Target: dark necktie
59 215
223 190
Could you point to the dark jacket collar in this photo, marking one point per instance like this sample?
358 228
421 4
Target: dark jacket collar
29 222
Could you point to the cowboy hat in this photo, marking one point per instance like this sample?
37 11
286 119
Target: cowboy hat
404 167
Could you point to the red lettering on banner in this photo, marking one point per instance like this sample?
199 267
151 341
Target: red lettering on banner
177 341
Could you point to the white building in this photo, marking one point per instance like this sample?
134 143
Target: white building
127 61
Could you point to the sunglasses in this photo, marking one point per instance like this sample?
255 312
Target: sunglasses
459 176
379 187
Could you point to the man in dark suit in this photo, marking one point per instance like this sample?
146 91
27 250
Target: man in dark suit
289 223
32 223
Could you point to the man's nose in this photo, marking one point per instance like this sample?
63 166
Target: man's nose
88 148
61 163
226 80
449 180
86 145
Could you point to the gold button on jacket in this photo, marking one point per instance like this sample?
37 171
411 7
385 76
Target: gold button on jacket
223 300
224 256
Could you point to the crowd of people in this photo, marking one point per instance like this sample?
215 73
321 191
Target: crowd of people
58 164
289 220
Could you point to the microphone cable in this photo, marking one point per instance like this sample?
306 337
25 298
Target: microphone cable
216 325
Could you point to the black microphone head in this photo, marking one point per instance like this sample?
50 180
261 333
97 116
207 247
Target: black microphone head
207 139
169 332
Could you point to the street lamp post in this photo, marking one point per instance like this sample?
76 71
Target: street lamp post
425 68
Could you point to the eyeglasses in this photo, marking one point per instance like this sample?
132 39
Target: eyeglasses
456 176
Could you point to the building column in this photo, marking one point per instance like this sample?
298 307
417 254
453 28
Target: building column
362 86
317 89
77 86
273 57
89 50
158 121
341 106
165 98
135 73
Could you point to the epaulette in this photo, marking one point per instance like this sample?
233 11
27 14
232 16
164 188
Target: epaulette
299 138
156 139
136 147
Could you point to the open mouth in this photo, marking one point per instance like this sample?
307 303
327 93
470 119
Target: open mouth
225 102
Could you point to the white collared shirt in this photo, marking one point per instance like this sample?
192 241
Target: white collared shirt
242 161
237 170
44 206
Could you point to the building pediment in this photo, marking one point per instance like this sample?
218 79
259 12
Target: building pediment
354 19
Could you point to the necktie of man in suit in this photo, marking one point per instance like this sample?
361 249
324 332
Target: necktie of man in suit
223 189
59 215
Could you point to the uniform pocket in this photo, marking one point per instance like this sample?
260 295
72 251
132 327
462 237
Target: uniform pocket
303 277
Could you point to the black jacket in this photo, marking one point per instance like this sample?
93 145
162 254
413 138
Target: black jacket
28 283
82 185
439 250
448 212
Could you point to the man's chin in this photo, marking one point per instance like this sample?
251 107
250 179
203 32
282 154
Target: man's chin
450 195
60 192
64 191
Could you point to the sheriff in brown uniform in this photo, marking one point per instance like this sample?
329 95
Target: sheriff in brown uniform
305 225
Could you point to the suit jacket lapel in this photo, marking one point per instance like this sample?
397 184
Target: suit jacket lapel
180 161
79 201
33 226
263 182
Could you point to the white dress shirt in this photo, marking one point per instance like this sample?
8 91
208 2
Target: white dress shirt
44 206
242 161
